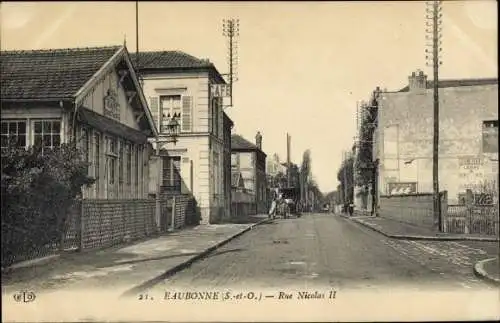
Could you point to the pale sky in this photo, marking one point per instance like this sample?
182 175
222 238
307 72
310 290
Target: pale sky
302 66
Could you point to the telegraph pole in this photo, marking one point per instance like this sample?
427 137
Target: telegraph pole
231 30
137 34
344 163
433 16
288 172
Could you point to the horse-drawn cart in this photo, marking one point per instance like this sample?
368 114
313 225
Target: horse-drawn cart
287 202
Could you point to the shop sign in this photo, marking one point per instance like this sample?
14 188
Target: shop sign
402 188
220 90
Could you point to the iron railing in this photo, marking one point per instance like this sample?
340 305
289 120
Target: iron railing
471 219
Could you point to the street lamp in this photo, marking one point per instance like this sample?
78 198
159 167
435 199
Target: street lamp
170 135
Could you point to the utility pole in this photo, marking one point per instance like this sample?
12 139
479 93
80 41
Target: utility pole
137 34
231 30
344 163
288 164
433 16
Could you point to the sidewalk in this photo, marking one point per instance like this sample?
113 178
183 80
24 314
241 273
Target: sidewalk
124 268
488 269
399 230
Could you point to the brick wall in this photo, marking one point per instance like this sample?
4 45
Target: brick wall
415 209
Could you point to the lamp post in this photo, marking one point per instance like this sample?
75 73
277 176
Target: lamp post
171 133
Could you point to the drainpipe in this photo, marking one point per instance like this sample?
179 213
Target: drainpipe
74 120
158 184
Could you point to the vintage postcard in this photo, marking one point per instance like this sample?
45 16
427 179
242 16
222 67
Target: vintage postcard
249 161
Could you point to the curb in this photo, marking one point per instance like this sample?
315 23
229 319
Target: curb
480 272
36 261
172 271
433 238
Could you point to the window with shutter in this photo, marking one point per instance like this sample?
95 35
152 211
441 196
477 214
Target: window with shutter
170 105
154 106
186 113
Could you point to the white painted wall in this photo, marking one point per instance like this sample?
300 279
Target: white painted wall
195 146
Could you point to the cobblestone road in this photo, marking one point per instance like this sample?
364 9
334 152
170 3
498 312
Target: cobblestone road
325 250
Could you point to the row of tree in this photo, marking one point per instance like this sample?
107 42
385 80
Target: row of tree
361 171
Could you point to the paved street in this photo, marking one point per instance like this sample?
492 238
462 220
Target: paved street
325 250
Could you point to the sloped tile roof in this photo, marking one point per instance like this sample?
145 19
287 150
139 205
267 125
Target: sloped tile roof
168 60
240 143
173 60
457 83
105 124
51 73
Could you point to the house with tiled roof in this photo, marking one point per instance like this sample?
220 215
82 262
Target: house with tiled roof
249 160
89 95
177 83
468 136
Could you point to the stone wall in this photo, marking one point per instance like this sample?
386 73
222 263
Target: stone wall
405 131
242 204
414 209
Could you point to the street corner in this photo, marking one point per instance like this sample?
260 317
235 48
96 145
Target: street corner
489 270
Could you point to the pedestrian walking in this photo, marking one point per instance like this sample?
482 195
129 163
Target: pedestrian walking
274 206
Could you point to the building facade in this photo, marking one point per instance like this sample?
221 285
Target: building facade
89 95
274 166
468 146
178 83
227 174
249 160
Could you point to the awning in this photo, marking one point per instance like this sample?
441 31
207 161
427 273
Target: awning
110 126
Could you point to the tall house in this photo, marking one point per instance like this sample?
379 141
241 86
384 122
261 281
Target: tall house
250 161
274 166
468 136
177 83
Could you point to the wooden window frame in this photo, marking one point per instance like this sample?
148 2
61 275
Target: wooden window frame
170 110
8 135
43 121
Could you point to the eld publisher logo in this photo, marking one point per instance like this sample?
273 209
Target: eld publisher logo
24 297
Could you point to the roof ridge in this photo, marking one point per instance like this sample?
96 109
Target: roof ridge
243 138
51 50
167 51
177 51
465 79
192 56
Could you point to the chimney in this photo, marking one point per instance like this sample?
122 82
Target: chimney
258 140
417 81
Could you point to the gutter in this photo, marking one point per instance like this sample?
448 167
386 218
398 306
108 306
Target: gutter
74 119
37 100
